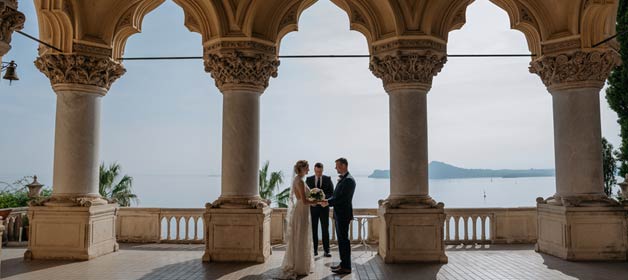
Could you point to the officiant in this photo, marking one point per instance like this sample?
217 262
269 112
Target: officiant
318 212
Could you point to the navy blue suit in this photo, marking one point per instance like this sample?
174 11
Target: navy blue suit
343 215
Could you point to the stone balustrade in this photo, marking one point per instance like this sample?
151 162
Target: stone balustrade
185 225
463 225
490 225
356 231
14 225
160 225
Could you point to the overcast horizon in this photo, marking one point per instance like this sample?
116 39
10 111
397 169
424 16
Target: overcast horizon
165 117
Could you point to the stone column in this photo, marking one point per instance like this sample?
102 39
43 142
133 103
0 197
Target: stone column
574 79
76 213
10 20
409 213
241 71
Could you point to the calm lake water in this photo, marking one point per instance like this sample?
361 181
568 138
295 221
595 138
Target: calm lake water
194 191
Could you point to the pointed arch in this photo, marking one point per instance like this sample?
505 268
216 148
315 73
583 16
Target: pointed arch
203 17
129 22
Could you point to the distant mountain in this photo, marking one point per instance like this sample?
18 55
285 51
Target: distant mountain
441 170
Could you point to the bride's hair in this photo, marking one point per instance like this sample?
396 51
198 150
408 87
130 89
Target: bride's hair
299 166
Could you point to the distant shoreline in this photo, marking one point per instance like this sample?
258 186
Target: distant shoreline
441 170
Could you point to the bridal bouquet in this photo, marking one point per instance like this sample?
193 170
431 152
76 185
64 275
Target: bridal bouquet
316 194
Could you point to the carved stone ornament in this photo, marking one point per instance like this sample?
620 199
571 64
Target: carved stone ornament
575 69
80 69
236 69
405 69
237 203
63 201
10 20
410 202
578 201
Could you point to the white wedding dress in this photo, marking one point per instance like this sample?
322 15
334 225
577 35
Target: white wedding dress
299 257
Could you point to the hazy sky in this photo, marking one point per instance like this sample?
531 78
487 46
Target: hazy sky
165 116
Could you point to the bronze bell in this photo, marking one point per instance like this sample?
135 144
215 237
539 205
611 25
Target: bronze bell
10 73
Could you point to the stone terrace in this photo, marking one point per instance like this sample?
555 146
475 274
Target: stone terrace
170 261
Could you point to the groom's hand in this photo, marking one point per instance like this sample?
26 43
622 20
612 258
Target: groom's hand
324 203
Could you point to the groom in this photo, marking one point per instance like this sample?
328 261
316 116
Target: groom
343 214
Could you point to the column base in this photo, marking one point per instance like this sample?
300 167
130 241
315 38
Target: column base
237 235
71 233
582 233
411 235
412 202
589 200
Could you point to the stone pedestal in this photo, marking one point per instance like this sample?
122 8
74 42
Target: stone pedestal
1 233
73 233
412 235
238 235
582 233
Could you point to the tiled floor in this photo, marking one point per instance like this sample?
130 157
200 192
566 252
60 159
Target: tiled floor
161 261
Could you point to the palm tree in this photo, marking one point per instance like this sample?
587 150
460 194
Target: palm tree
268 186
120 192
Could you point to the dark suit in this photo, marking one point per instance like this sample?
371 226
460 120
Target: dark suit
343 214
319 212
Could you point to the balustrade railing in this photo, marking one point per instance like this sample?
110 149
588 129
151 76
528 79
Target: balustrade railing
490 225
186 225
361 228
160 225
15 226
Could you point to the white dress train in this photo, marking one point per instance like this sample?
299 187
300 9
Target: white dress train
299 257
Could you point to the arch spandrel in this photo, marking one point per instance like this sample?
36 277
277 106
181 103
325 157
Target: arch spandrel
597 21
273 19
385 21
552 27
203 17
374 19
91 27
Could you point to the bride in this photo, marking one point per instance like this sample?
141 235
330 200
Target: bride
299 257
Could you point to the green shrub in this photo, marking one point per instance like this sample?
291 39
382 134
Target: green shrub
16 194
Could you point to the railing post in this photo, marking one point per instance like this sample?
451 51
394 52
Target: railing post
447 235
351 230
11 228
168 221
493 227
187 227
178 219
360 229
475 229
161 219
483 221
333 228
457 228
196 228
466 228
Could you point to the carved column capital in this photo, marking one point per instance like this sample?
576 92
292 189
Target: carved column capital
408 69
241 65
80 69
577 69
10 20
